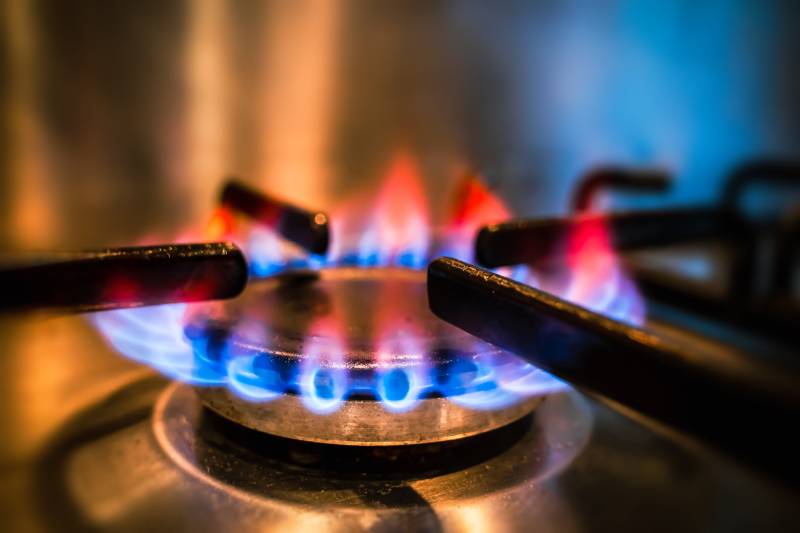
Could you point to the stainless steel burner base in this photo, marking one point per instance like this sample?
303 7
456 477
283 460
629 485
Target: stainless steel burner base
364 422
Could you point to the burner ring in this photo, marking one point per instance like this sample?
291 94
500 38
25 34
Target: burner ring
381 370
363 422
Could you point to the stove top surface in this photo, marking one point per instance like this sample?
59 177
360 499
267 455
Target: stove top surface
95 442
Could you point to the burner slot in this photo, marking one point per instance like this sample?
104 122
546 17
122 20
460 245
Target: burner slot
730 400
124 277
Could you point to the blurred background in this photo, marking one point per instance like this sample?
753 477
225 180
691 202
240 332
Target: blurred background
120 119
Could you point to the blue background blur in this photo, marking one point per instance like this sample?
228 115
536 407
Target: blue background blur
696 87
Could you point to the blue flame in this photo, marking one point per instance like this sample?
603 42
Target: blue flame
400 389
158 337
246 382
154 336
323 389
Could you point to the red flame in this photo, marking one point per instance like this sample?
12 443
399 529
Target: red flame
590 257
589 245
475 205
395 332
396 221
392 227
401 201
597 277
330 337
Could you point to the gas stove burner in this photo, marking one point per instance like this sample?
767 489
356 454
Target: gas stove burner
354 356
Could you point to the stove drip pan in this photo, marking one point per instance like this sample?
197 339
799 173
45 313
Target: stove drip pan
353 356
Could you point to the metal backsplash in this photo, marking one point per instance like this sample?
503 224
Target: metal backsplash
120 119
